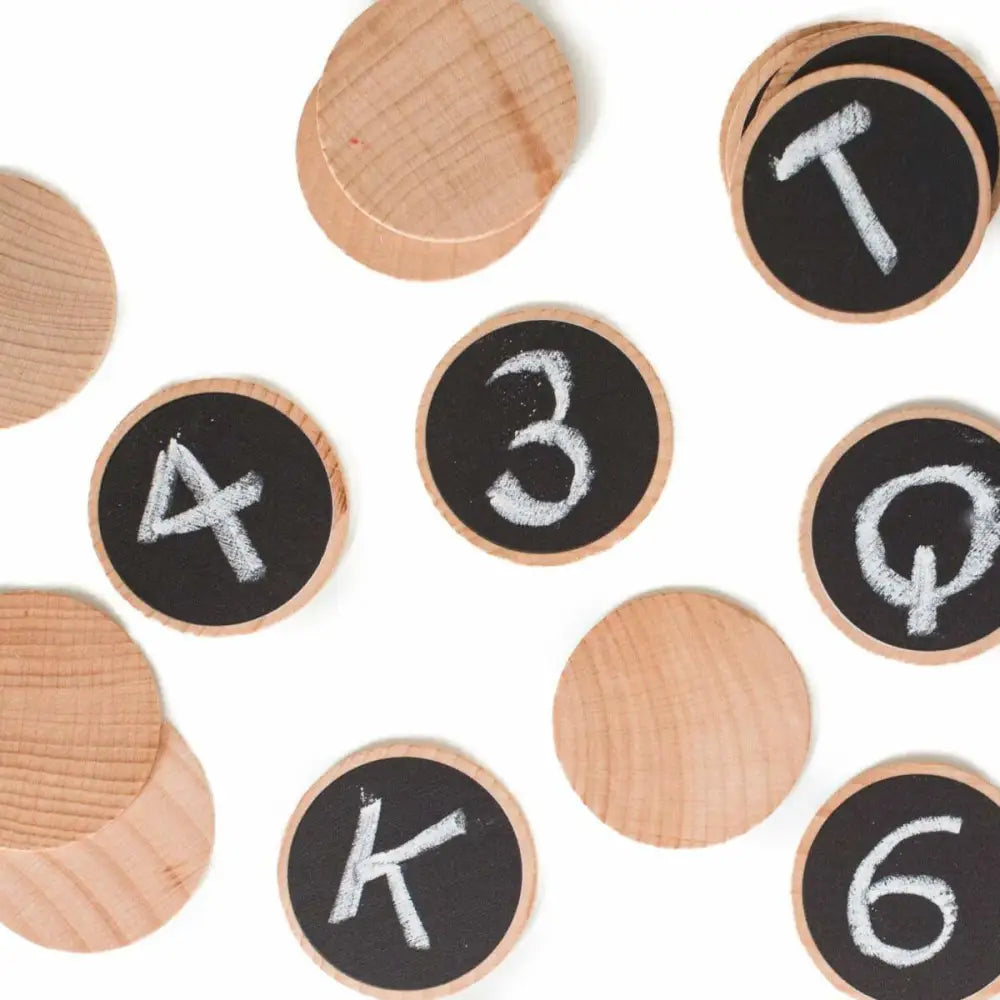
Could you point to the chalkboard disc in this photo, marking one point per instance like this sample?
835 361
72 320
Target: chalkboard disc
407 869
657 707
447 119
912 50
57 300
895 886
544 436
900 533
127 879
374 245
218 506
80 720
861 193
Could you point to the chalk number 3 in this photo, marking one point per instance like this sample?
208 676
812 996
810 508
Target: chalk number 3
507 496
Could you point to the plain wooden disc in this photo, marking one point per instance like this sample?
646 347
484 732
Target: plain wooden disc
127 879
57 300
80 720
374 245
447 119
682 720
500 794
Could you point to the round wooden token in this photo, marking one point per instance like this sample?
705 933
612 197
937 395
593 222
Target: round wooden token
80 720
911 50
57 300
447 119
454 849
900 532
374 245
682 720
544 436
127 879
895 885
218 506
881 223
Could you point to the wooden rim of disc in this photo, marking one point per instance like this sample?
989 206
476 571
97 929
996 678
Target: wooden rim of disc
862 71
447 119
127 879
503 798
663 458
656 707
80 719
57 300
920 657
324 448
872 776
807 48
375 246
753 83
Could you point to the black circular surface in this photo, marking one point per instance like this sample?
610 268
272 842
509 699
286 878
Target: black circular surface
473 418
913 166
967 862
187 576
465 890
936 514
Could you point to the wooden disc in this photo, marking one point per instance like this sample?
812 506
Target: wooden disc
374 245
477 430
894 889
924 176
127 879
938 514
471 891
682 720
218 571
80 720
57 300
447 119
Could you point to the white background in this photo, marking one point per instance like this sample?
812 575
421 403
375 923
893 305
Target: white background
173 127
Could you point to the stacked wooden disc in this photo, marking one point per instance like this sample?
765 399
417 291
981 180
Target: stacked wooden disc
862 163
106 819
436 134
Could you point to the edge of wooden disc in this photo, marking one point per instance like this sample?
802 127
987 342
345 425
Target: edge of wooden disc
324 448
861 71
805 48
870 777
899 414
127 879
664 455
503 798
374 245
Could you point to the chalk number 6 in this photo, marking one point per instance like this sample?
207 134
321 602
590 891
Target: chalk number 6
507 497
864 893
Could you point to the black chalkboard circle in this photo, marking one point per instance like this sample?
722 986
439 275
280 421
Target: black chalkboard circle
218 506
919 484
464 893
544 436
894 889
893 220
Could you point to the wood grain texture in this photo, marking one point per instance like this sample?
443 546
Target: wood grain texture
127 879
447 119
57 300
372 244
682 720
80 720
506 801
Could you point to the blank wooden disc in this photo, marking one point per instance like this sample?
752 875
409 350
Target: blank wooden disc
447 119
682 720
126 880
80 720
57 300
374 245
